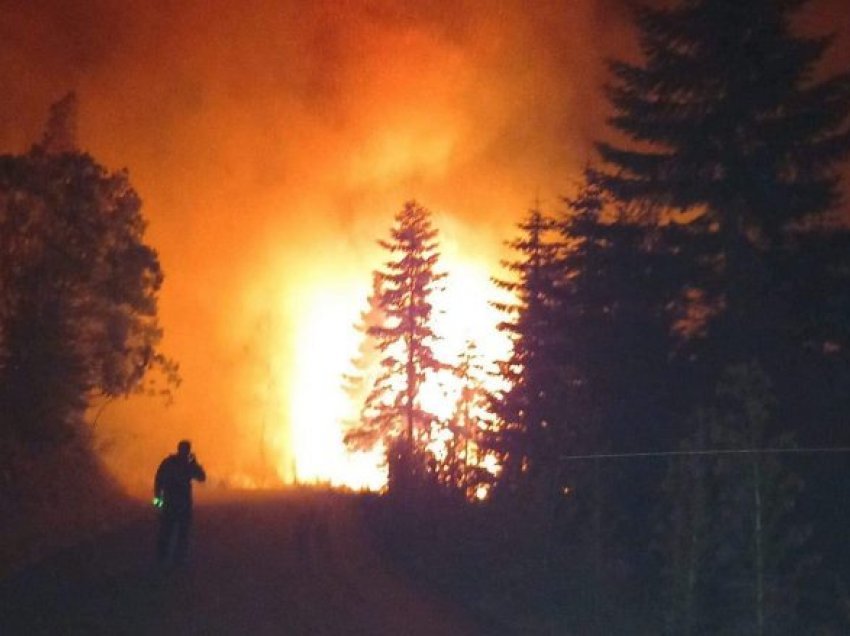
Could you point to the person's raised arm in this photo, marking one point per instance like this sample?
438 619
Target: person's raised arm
198 473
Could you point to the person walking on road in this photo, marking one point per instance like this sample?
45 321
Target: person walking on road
172 491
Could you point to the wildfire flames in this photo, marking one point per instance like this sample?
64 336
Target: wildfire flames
327 340
271 142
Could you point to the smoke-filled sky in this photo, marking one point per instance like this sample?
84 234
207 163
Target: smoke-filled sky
271 142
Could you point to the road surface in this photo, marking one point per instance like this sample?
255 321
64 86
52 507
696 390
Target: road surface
284 564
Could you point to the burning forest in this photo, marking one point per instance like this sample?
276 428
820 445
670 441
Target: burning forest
560 288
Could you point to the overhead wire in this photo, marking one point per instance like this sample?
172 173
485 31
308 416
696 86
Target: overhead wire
716 451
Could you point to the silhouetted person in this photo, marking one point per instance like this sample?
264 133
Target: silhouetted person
173 487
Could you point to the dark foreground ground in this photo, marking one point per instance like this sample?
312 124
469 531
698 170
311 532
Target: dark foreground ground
284 564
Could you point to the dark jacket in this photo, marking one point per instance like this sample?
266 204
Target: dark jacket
173 482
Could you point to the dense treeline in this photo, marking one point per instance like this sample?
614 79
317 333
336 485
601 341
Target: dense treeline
78 312
693 295
78 321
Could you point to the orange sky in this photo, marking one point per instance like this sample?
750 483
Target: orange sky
271 141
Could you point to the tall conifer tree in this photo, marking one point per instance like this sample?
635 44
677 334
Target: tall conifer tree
393 413
726 120
533 426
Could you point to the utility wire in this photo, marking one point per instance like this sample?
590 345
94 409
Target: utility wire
719 451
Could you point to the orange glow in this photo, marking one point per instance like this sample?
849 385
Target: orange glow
271 141
326 341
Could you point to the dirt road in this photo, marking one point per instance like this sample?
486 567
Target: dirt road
283 564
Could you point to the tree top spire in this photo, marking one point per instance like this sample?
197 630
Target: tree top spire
60 131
